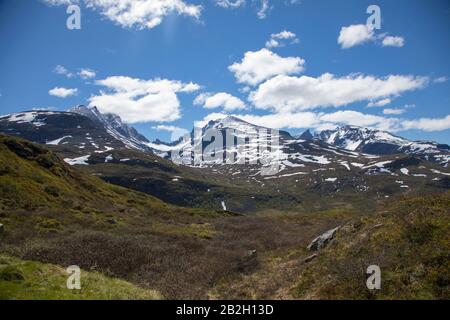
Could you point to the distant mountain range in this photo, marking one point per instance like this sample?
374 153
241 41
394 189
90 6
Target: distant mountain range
337 165
108 131
383 143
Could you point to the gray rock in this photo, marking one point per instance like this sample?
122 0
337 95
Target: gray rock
112 221
322 240
310 258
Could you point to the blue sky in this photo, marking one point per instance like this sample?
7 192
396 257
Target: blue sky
175 72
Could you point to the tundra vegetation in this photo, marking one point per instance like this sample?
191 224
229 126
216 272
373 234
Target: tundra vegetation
131 245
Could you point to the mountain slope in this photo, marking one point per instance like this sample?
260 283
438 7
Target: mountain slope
408 240
384 143
31 280
407 237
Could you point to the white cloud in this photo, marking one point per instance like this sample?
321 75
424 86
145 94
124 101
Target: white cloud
394 111
428 124
379 103
290 93
354 34
142 14
262 12
230 3
221 99
59 69
393 41
176 132
163 127
323 121
136 100
62 92
350 117
257 66
84 73
60 2
440 80
87 73
357 34
276 39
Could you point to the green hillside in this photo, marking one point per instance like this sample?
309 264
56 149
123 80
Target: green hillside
30 280
55 215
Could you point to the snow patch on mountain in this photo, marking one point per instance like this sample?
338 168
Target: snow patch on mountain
78 161
57 141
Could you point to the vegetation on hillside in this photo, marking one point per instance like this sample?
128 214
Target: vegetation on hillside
409 240
30 280
56 214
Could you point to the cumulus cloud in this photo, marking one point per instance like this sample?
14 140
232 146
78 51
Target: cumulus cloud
136 100
277 39
257 66
357 34
428 124
87 74
393 41
222 99
323 121
290 93
62 92
141 14
354 34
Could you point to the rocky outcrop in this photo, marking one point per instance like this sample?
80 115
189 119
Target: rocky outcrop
322 240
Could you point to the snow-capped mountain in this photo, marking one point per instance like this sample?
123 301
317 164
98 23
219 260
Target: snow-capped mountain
258 158
379 142
82 130
258 147
114 126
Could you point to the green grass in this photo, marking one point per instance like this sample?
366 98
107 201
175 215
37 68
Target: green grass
30 280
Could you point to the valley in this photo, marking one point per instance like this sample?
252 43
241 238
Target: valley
82 188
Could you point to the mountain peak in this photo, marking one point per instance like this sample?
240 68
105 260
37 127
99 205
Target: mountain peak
307 135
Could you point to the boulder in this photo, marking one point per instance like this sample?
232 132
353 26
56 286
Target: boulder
322 240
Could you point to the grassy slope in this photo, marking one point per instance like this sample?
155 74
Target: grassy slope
409 238
410 241
45 203
30 280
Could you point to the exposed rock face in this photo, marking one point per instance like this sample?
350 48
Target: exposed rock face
322 240
307 135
